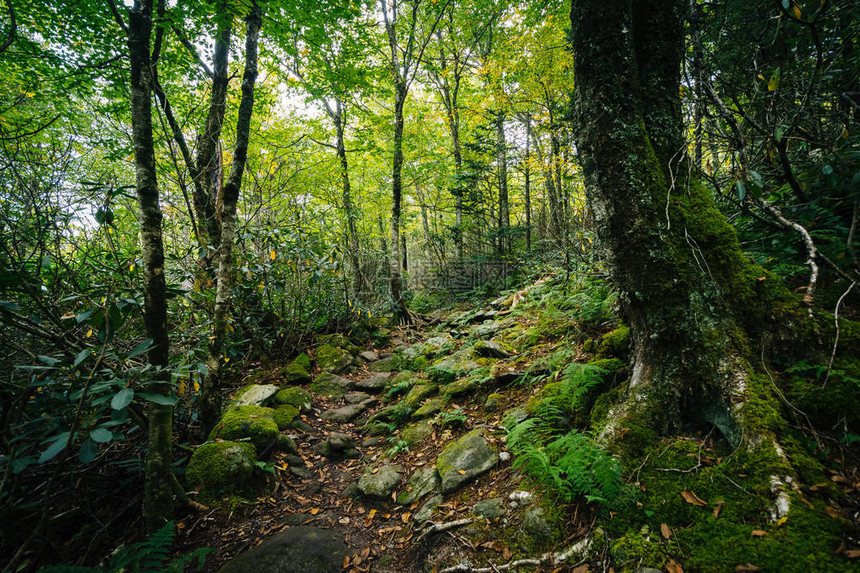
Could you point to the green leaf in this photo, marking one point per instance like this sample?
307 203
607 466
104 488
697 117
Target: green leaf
741 189
58 446
82 355
122 399
160 399
49 360
141 348
827 169
89 451
101 435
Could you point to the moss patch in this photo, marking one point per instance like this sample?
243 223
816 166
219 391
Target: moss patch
222 468
256 423
295 396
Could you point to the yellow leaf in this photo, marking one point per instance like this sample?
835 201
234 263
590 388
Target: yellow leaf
197 386
130 268
781 520
272 255
773 84
226 360
797 12
89 333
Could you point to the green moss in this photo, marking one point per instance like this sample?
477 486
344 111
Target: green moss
615 343
303 360
256 423
333 359
219 468
284 414
295 396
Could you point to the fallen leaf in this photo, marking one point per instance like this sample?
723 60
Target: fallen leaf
405 517
345 561
315 510
691 497
343 521
832 512
781 521
746 568
758 533
840 479
580 569
719 506
374 470
674 567
665 531
852 553
461 472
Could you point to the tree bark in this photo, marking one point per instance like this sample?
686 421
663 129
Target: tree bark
158 498
395 279
694 303
211 390
504 208
527 173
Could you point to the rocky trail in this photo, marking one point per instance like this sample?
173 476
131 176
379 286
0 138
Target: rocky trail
385 466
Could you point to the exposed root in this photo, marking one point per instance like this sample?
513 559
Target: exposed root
447 526
577 549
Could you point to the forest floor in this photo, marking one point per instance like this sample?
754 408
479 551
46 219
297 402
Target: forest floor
472 374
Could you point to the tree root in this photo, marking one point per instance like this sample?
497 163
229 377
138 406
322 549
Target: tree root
578 548
440 527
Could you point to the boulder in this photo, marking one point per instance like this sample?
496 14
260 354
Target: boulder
355 397
422 481
380 483
489 349
416 395
347 413
254 395
535 522
430 408
220 468
336 446
464 460
330 385
295 396
450 368
256 423
459 388
493 402
284 415
426 511
297 371
417 433
295 550
375 383
383 365
369 355
486 330
333 359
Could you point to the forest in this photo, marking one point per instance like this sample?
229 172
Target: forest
429 285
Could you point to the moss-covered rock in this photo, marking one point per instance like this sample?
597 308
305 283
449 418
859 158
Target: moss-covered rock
256 423
295 396
222 468
416 395
299 549
284 415
458 388
333 359
490 349
615 343
465 459
430 408
422 482
330 385
340 341
416 433
297 371
254 395
380 482
449 369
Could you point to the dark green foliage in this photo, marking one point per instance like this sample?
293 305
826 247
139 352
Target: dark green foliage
150 556
570 464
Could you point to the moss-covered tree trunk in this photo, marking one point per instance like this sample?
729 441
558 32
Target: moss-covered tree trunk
210 408
696 306
158 498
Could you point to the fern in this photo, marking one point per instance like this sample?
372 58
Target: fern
570 465
148 556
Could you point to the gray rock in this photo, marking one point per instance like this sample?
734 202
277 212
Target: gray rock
294 550
347 413
486 330
416 433
369 355
422 481
449 369
459 388
489 349
490 508
416 395
301 472
536 523
430 408
493 402
254 395
514 416
382 365
426 511
355 397
330 385
464 460
336 445
380 484
375 383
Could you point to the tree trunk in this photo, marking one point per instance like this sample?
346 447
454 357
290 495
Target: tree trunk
211 390
694 303
358 282
504 208
395 280
158 498
528 197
